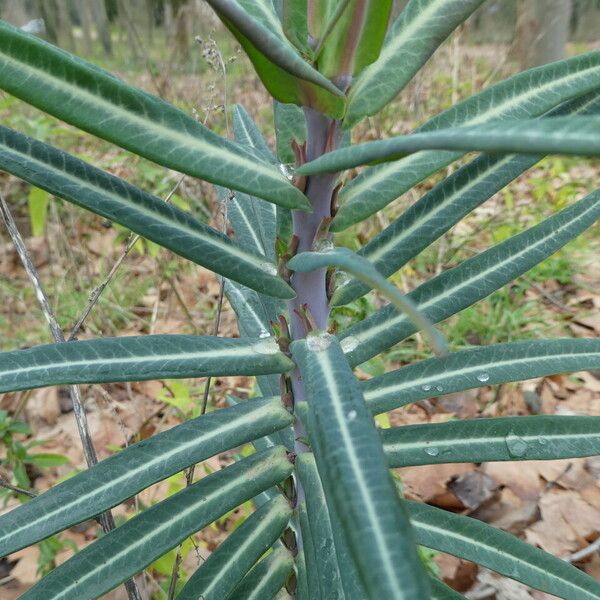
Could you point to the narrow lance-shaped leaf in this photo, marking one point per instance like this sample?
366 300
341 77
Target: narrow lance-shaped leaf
267 578
421 27
287 76
447 203
350 458
312 566
283 437
76 181
138 358
290 124
525 95
256 20
500 439
93 100
294 21
474 279
124 551
228 564
254 223
559 135
358 266
327 571
479 366
123 475
356 38
254 220
500 551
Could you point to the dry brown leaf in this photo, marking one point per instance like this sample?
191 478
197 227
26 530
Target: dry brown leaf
567 524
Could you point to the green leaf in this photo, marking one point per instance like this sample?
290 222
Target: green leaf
326 568
302 591
226 566
559 135
287 76
248 134
138 358
352 466
356 38
46 460
356 265
313 569
474 279
38 201
93 100
477 367
267 578
500 551
446 204
128 549
124 474
527 94
421 27
74 180
290 124
483 440
294 15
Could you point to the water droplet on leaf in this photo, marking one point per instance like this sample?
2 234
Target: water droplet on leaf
426 388
517 447
483 377
351 415
439 388
269 268
349 343
433 451
264 334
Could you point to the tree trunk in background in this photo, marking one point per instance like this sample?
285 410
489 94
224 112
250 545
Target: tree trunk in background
65 26
83 8
542 31
98 9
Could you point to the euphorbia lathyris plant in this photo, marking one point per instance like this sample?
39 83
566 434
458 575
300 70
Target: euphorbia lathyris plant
331 522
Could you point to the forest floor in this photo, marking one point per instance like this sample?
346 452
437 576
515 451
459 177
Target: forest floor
554 504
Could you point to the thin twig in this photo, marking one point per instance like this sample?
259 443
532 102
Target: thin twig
106 519
584 552
99 289
14 488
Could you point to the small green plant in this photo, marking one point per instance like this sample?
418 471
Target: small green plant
330 522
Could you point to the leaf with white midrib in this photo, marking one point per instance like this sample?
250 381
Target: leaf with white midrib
355 477
446 204
93 189
502 552
219 575
93 100
327 570
477 367
123 475
311 565
474 279
138 358
559 135
267 577
419 30
118 555
545 437
259 24
527 94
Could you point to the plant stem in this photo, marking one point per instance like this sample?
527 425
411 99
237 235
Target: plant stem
311 288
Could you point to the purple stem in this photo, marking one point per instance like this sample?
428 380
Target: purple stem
311 288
